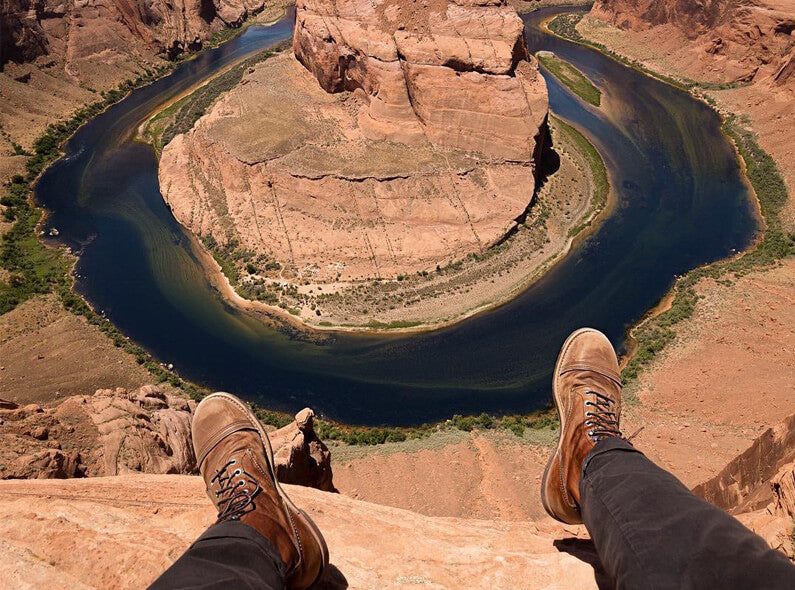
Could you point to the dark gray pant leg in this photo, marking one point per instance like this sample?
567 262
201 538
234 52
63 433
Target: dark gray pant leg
228 555
651 532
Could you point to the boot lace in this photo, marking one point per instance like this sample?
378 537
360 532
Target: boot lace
603 420
236 495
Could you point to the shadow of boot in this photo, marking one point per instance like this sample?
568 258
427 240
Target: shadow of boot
584 550
333 579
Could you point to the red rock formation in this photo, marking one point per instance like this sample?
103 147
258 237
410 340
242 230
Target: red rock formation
300 457
430 157
32 28
744 484
116 431
110 432
752 39
457 73
783 488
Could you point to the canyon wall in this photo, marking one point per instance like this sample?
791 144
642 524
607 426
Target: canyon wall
409 141
457 73
742 52
750 40
58 55
76 31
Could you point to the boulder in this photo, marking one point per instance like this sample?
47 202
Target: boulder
300 457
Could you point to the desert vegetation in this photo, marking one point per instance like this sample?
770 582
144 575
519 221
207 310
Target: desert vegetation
601 184
654 334
573 78
544 419
32 267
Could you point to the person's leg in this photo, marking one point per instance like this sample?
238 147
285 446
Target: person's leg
650 531
228 555
261 538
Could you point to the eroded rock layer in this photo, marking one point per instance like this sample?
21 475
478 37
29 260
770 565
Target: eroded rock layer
745 483
101 30
455 73
407 147
750 40
146 430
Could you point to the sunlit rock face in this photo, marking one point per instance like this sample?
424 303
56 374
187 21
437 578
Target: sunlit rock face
455 73
749 40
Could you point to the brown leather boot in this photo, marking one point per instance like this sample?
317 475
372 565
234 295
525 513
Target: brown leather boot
236 462
587 390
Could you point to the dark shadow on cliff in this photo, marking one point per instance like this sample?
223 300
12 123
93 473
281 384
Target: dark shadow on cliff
584 550
547 162
547 159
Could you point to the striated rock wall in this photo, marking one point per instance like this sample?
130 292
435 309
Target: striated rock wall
118 431
457 73
751 40
745 483
78 30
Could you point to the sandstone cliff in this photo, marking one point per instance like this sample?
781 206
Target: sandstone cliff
118 431
456 73
758 486
749 40
56 56
403 149
93 32
757 476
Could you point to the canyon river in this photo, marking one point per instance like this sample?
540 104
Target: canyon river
680 201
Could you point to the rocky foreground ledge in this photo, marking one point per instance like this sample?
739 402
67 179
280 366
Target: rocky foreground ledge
122 532
116 431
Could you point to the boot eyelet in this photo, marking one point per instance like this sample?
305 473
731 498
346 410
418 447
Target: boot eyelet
590 433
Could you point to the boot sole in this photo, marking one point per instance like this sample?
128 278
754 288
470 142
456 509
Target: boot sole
266 443
561 417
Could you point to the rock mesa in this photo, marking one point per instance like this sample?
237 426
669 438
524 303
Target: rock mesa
407 141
